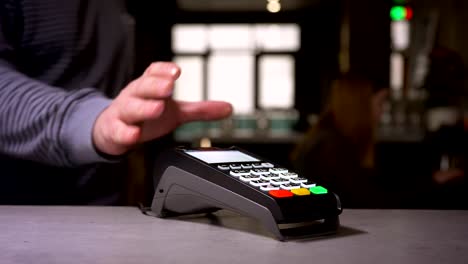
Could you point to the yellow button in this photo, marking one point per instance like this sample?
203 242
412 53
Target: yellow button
300 191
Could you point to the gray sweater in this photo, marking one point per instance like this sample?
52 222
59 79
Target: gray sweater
60 61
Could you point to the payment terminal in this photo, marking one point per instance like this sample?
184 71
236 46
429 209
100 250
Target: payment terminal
189 181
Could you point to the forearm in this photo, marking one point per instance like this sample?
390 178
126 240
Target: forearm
46 124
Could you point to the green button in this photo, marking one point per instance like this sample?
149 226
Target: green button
318 190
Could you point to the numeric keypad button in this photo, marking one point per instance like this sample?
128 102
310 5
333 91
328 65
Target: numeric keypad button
237 173
258 183
257 165
269 176
224 167
235 167
290 186
278 170
246 166
298 180
269 188
248 178
278 182
259 171
308 184
289 175
267 165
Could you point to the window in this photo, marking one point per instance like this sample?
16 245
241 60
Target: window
248 65
276 74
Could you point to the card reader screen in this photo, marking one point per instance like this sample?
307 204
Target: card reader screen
221 156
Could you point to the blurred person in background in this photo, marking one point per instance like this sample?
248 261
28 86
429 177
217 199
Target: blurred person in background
69 111
447 130
338 151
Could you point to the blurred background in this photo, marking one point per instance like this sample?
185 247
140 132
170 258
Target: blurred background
275 61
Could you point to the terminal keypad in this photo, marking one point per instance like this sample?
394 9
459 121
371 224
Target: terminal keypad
276 181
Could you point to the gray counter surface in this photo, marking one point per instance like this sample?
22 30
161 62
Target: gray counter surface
48 235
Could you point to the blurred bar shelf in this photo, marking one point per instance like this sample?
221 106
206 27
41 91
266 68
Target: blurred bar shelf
400 135
241 137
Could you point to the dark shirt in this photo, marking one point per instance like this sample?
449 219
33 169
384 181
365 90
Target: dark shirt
60 61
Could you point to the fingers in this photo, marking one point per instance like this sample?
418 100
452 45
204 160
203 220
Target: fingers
125 135
112 136
157 82
136 110
163 69
442 177
151 87
203 111
119 127
142 99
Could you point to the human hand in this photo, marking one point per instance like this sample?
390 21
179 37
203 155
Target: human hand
377 104
445 176
145 110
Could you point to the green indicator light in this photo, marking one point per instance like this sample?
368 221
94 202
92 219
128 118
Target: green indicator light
398 13
318 190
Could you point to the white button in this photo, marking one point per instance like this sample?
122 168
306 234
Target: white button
237 173
278 170
223 167
289 186
278 182
289 175
269 188
307 184
246 166
298 180
260 182
267 165
248 178
257 165
284 179
269 176
235 167
259 171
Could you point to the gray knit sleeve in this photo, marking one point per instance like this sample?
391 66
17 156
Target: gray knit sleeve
40 122
46 124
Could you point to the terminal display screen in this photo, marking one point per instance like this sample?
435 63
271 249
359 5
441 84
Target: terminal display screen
221 156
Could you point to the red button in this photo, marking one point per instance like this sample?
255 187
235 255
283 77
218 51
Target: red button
281 193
